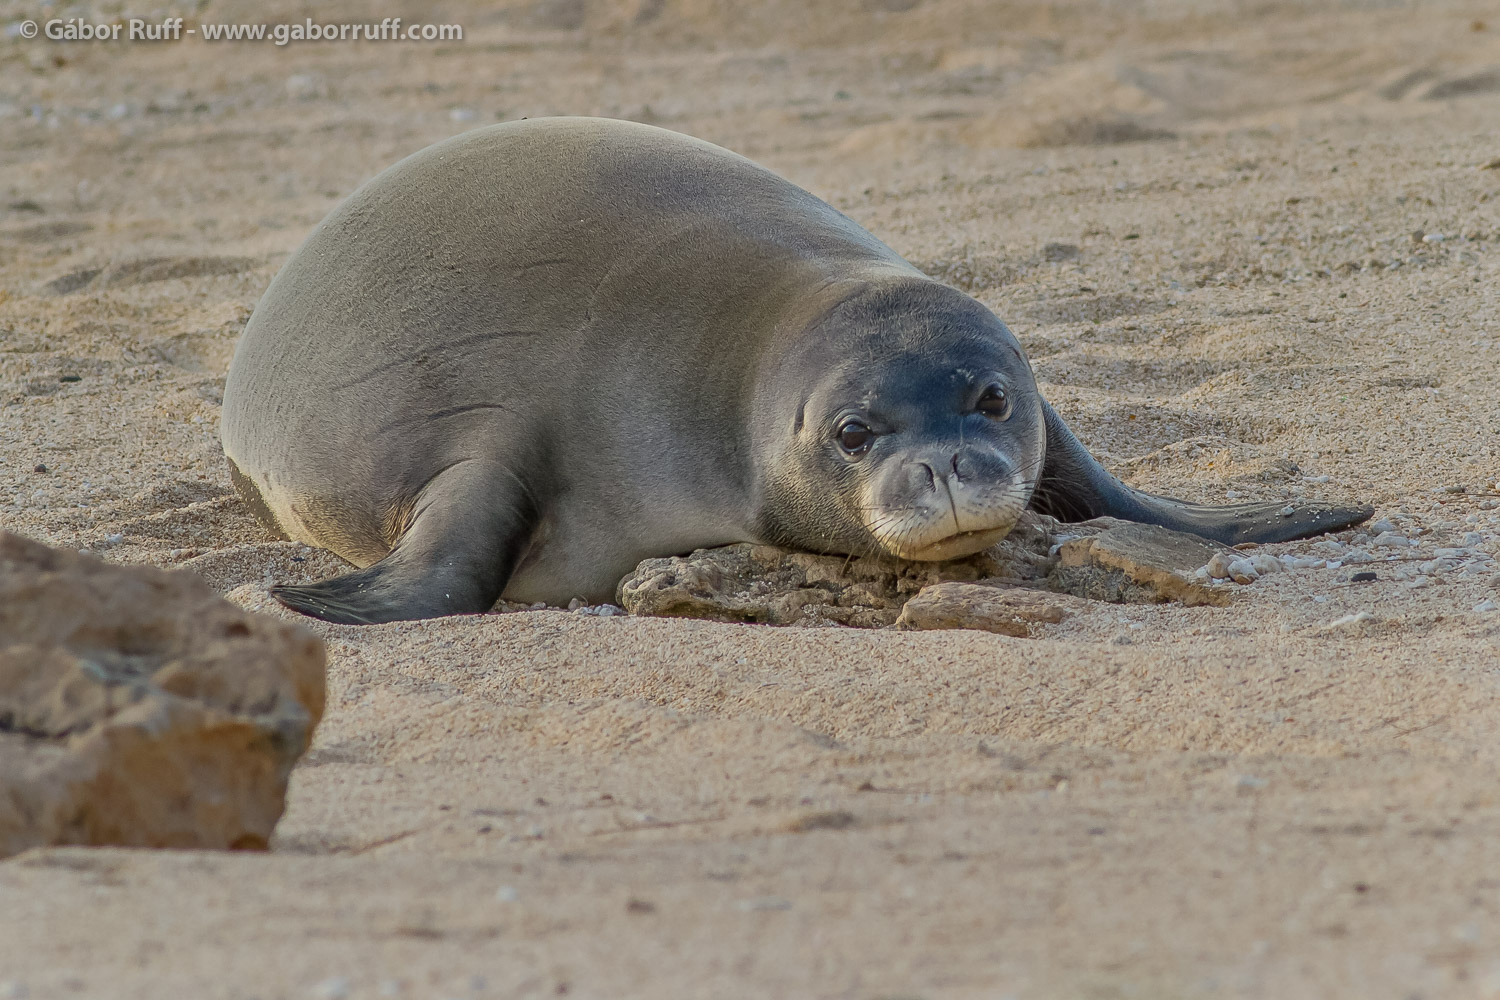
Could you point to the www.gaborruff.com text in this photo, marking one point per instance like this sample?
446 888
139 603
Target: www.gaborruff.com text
76 29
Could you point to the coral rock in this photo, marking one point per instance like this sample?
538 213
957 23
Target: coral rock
1003 610
139 708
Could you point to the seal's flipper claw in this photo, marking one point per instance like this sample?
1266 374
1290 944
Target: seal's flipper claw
393 590
355 599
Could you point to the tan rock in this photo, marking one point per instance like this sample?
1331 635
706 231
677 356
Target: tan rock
762 583
1004 610
1100 560
1143 563
139 708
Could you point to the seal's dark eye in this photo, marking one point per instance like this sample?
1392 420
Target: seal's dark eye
993 403
855 437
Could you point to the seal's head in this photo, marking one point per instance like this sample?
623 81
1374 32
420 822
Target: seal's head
905 421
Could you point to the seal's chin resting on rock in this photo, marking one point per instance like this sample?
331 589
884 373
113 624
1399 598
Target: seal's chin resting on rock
525 359
940 513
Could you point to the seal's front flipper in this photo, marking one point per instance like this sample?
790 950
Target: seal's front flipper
470 527
1075 487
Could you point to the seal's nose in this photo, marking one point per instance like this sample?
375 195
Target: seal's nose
967 468
958 467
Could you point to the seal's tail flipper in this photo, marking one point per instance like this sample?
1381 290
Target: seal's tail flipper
455 559
1075 487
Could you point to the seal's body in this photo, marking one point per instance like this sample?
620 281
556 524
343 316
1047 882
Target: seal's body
526 358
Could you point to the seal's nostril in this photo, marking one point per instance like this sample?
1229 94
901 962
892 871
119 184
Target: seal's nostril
956 473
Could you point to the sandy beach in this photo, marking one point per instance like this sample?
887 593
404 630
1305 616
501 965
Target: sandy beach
1253 252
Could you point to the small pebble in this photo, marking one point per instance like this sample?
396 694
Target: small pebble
12 989
1380 527
1243 571
1250 781
1365 577
1288 510
1473 539
1264 562
1391 540
507 894
335 988
1354 619
1487 604
575 604
304 86
462 114
39 468
1218 565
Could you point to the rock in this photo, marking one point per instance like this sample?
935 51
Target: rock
1141 564
762 583
1218 566
1009 611
1392 540
306 87
1243 571
1264 563
138 708
1058 252
1103 559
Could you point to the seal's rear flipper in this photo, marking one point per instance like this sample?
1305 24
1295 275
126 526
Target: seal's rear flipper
1075 487
455 559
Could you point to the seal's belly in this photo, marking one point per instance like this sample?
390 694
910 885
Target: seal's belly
585 557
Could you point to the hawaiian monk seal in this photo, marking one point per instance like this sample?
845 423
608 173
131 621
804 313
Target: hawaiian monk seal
524 359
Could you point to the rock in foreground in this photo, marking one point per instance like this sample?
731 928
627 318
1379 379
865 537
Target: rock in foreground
1006 586
1012 611
138 708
